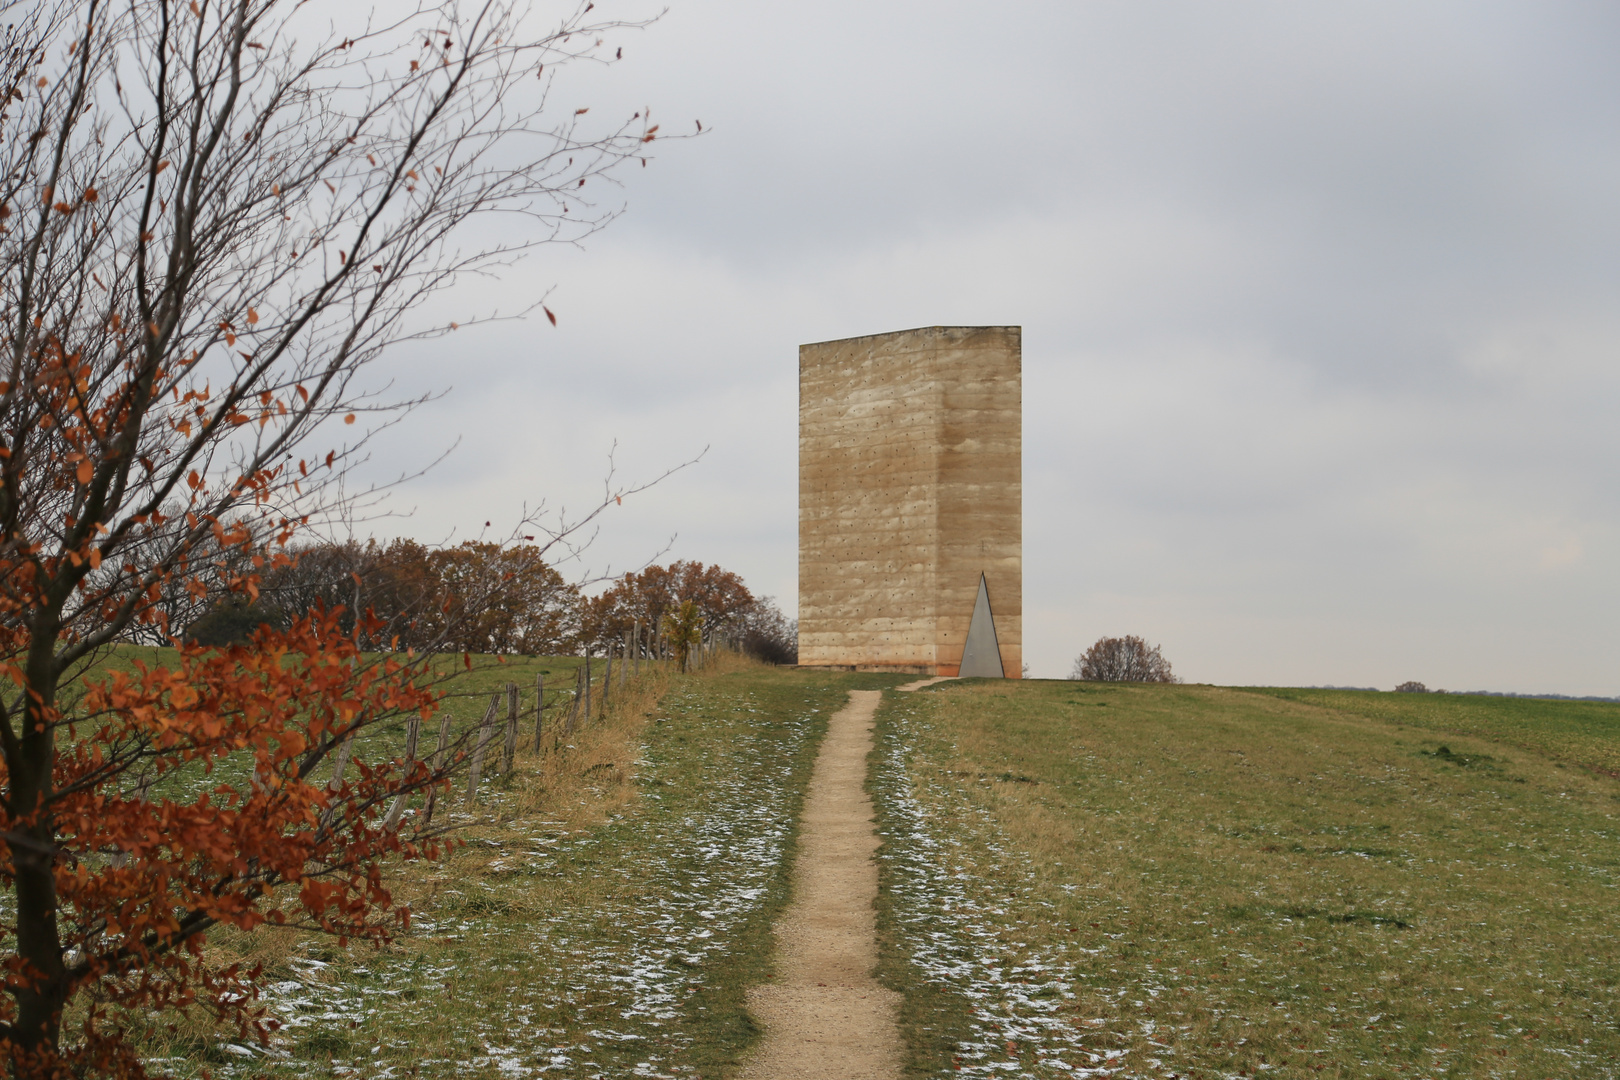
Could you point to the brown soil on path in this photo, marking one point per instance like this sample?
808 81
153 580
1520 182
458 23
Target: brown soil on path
825 1016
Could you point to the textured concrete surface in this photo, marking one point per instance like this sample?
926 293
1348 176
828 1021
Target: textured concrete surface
825 1016
910 486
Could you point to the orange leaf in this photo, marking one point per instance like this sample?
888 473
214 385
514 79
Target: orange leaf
86 471
349 419
253 316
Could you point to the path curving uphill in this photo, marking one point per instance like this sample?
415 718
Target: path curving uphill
825 1016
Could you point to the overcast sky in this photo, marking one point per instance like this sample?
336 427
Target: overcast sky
1321 336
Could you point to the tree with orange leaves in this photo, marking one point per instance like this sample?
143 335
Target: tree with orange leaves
212 220
720 601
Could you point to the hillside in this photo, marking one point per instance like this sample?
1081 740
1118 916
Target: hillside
1197 881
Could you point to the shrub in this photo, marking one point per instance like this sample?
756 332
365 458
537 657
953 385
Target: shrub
1123 659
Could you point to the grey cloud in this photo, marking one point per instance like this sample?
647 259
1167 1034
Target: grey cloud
1319 309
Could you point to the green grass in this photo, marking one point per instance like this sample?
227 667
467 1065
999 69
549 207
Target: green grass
606 917
1583 733
466 696
1198 882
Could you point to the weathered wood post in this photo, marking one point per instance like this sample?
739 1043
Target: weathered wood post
509 751
585 716
336 784
398 808
539 708
340 763
607 679
485 729
638 647
573 706
438 763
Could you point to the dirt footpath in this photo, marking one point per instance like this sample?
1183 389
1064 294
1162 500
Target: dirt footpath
825 1016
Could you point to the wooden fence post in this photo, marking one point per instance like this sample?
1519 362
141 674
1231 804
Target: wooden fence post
607 679
336 784
341 763
438 763
509 751
539 708
624 660
485 729
573 706
585 716
394 811
638 647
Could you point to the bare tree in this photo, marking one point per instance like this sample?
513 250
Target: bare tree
1123 659
215 216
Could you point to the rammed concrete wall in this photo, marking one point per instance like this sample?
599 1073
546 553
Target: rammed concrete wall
910 486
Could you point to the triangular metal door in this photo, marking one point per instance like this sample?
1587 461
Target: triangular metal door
981 655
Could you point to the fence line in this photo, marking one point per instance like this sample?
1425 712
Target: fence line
590 698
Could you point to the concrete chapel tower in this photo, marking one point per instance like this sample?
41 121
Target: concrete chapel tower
911 502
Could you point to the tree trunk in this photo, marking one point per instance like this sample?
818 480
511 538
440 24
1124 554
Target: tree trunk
30 761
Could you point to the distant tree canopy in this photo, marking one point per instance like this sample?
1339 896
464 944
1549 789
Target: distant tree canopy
487 598
474 597
769 635
1123 659
721 604
1411 688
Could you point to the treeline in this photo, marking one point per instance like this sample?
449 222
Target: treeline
480 597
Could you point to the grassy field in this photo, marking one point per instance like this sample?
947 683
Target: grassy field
1184 881
466 695
607 915
1583 733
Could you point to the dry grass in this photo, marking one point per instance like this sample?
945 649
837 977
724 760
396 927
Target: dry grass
1191 881
610 906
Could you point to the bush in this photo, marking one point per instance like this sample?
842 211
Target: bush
1411 688
233 621
1123 659
768 635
